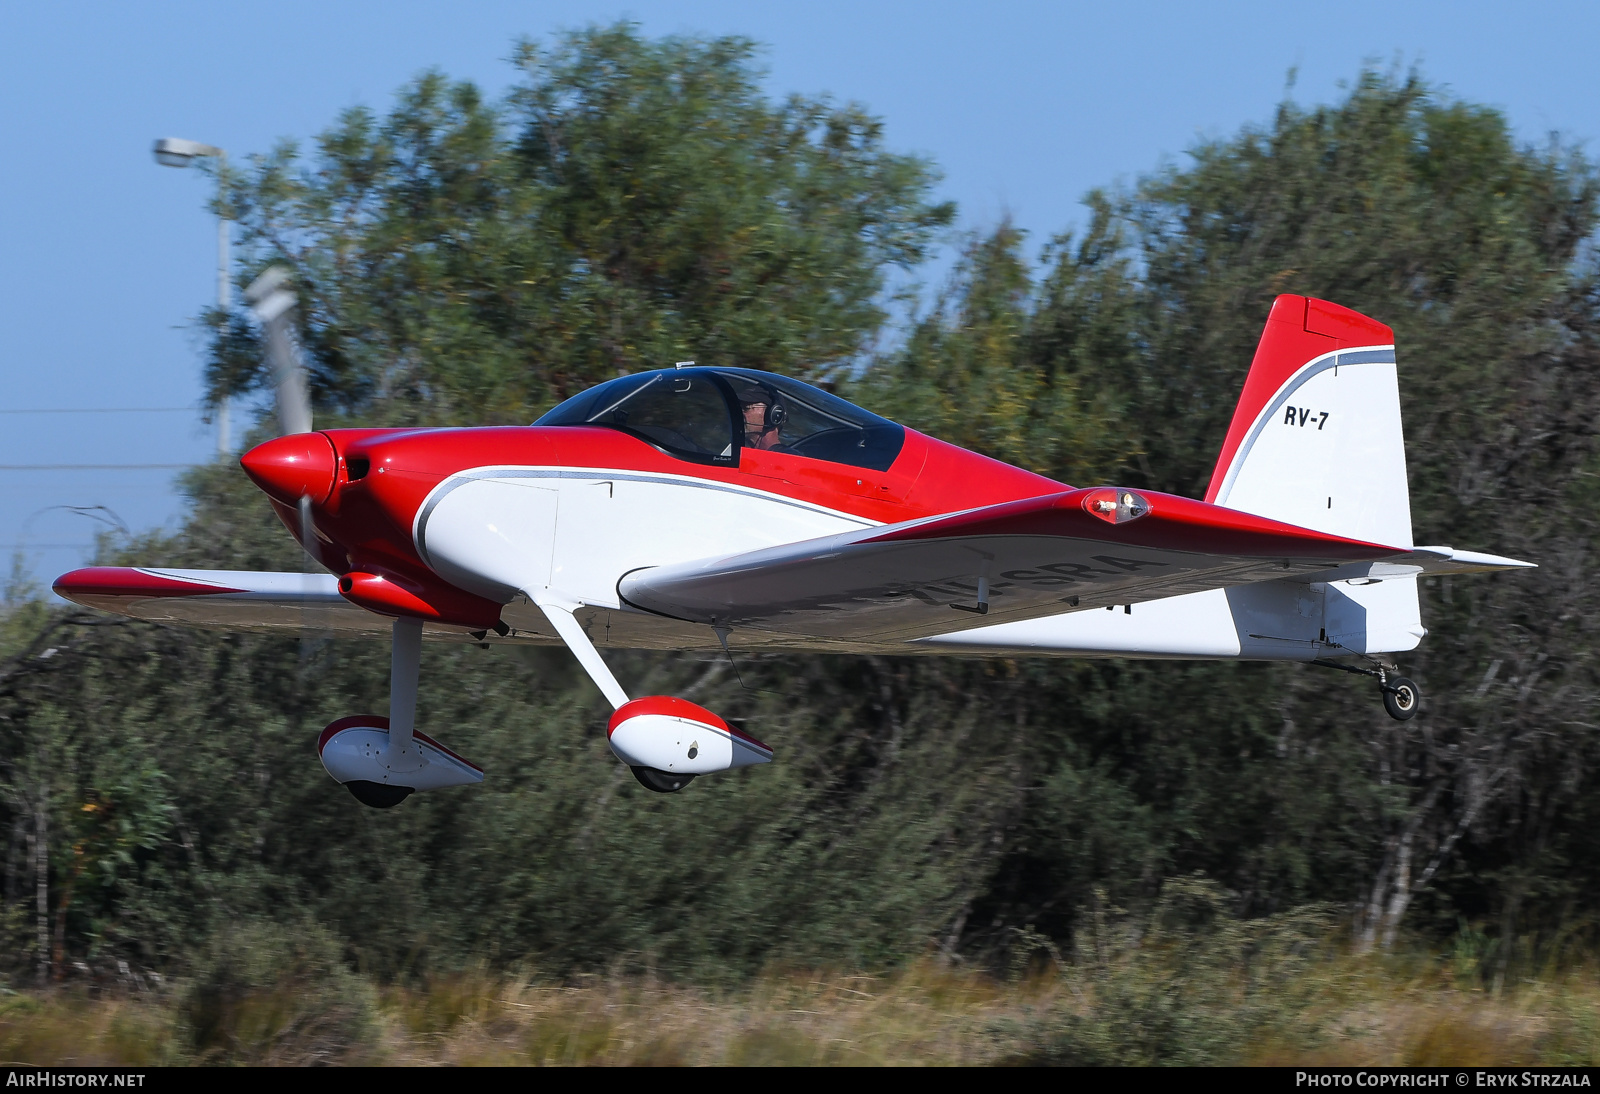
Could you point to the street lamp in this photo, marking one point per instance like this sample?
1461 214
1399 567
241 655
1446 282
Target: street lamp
175 152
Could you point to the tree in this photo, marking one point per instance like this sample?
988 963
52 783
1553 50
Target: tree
1425 213
631 203
1030 374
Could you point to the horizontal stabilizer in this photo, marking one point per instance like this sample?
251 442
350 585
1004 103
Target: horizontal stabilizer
1448 560
1421 561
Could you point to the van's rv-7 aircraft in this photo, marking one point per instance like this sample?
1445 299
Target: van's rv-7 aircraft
706 508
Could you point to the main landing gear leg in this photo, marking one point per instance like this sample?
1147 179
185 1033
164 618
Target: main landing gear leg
560 615
1401 696
382 761
568 628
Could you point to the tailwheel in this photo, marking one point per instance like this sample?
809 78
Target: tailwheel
662 782
1401 697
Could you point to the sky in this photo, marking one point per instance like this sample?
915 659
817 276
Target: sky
106 258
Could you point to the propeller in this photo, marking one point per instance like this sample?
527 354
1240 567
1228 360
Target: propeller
272 299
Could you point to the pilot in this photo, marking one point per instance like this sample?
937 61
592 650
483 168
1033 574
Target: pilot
764 416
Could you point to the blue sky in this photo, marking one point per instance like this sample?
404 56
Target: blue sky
105 258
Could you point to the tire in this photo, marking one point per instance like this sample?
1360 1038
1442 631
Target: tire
377 795
1401 698
662 782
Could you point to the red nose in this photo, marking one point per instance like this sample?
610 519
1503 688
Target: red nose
301 465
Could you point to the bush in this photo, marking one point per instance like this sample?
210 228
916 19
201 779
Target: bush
1191 984
267 994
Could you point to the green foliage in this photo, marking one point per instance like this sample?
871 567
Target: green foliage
1192 985
1396 202
1033 375
264 994
22 609
630 204
560 855
1421 211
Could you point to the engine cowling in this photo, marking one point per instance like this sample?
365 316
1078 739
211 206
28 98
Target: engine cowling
673 735
355 751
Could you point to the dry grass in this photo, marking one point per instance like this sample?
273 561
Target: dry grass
1416 1013
924 1015
1367 1012
72 1028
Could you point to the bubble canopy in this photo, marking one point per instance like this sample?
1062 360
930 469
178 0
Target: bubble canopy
708 415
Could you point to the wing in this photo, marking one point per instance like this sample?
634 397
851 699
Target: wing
1042 556
242 600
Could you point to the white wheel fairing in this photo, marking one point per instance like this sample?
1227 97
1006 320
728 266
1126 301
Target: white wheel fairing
683 746
361 754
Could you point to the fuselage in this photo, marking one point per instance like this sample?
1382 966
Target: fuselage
458 525
585 505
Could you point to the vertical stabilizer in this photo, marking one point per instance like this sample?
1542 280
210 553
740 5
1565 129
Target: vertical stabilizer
1316 440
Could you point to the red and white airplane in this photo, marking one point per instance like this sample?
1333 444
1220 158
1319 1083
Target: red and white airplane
701 508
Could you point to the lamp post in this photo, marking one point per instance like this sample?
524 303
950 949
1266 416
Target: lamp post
175 152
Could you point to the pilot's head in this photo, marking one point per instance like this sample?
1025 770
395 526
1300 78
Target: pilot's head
763 417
